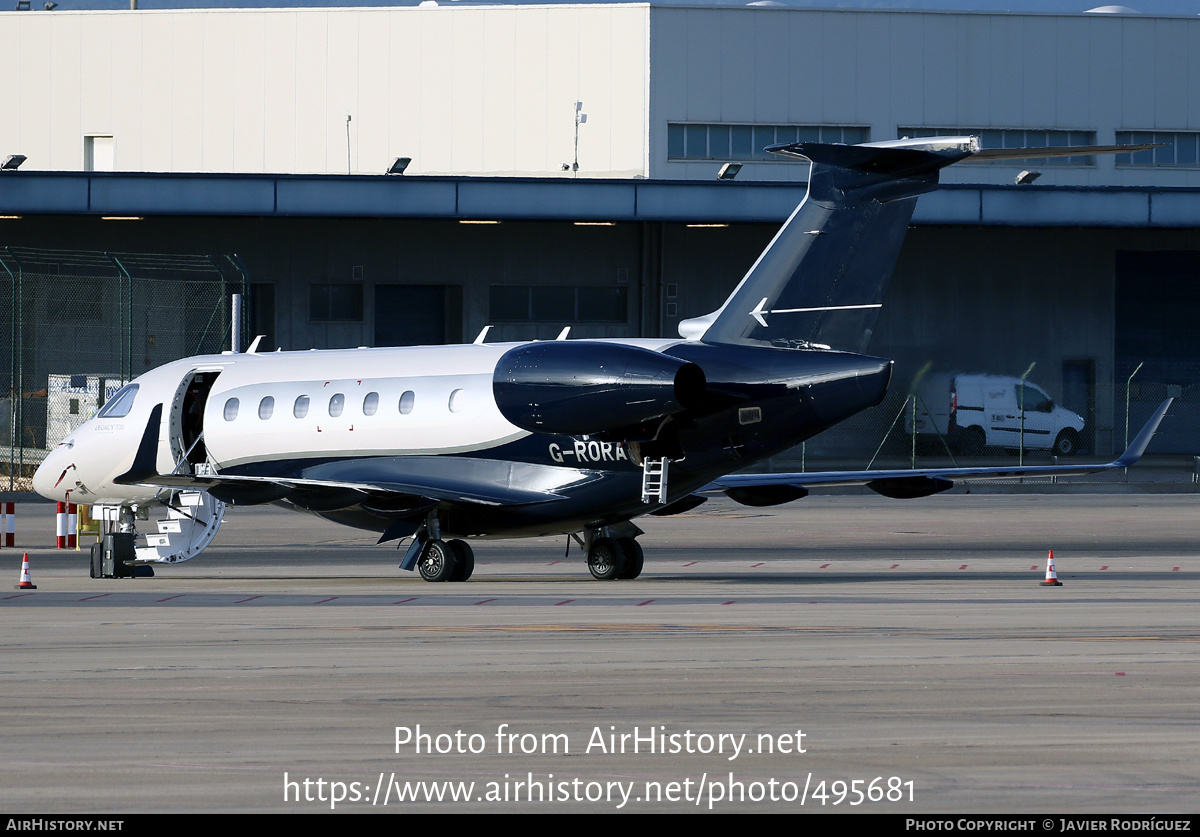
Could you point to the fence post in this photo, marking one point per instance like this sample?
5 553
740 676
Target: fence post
1128 387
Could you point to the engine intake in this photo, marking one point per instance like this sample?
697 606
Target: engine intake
581 387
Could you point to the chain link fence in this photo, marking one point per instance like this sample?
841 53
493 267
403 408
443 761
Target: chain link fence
911 427
75 326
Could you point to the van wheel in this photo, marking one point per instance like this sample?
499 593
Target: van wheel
1067 443
972 442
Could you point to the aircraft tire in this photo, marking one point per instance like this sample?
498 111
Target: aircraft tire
606 559
437 562
464 559
634 558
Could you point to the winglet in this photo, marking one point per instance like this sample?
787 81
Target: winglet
1138 446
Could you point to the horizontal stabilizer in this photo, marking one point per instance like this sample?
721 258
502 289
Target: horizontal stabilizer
820 282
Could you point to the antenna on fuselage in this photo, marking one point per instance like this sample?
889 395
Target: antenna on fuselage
482 335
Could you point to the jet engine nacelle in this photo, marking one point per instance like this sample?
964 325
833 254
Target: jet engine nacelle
584 387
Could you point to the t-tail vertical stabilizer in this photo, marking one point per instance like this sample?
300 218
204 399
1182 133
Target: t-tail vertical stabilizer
821 280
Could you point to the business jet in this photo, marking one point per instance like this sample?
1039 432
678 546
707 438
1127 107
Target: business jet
562 437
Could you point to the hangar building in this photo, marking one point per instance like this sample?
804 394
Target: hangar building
563 170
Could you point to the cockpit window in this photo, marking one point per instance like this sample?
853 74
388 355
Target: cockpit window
120 404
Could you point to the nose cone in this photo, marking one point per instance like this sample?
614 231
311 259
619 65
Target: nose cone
53 476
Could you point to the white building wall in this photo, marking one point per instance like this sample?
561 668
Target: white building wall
883 70
471 90
490 89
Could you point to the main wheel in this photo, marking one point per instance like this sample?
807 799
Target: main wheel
465 560
606 559
634 558
1067 443
437 562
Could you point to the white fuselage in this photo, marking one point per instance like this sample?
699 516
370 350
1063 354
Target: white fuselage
314 405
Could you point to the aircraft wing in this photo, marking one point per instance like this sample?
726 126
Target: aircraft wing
921 482
489 495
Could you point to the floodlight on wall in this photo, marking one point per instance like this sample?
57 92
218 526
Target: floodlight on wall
1027 177
12 162
399 164
729 171
49 6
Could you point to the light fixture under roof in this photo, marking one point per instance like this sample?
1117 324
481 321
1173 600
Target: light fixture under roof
729 171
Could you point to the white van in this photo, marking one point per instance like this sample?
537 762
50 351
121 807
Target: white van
977 411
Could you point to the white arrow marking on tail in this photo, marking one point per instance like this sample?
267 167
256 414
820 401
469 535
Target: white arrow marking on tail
760 311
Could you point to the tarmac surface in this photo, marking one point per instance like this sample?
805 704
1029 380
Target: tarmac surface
767 660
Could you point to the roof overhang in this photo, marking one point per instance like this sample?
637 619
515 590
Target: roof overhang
554 199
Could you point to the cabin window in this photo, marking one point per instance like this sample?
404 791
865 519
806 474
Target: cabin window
120 404
457 400
337 403
406 402
300 408
266 408
370 403
231 409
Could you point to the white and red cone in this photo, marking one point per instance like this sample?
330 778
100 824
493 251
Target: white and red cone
1051 575
26 581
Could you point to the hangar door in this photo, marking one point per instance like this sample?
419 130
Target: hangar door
418 315
1157 325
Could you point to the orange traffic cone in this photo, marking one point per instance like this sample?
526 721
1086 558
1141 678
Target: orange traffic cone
1051 575
26 582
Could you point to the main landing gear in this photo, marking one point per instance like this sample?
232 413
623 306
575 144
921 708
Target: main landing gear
612 558
613 552
446 561
436 559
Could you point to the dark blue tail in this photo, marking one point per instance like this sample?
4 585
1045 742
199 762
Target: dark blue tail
821 280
